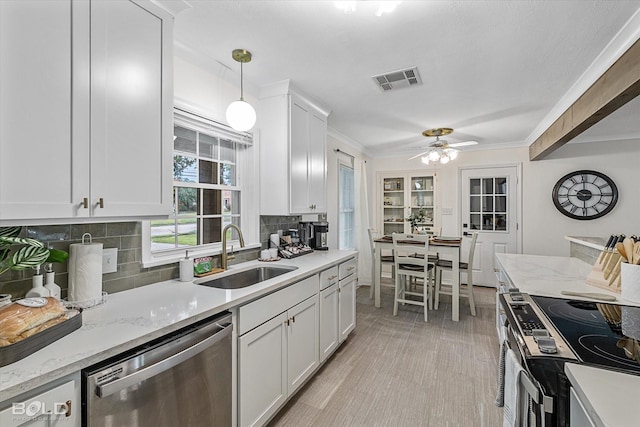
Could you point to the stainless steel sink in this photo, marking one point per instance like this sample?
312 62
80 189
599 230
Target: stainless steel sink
244 278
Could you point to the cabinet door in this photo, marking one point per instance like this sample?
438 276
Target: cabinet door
347 317
58 407
131 103
328 321
262 371
302 342
43 166
317 162
298 156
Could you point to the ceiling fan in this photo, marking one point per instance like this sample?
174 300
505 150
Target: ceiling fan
440 150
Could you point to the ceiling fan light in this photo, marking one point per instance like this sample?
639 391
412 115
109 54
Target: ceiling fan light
444 159
434 156
425 160
452 153
240 115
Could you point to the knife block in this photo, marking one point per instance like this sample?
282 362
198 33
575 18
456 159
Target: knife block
605 273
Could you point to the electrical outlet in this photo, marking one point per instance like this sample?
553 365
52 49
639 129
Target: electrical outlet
109 260
447 211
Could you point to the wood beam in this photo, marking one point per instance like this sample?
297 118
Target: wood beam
617 86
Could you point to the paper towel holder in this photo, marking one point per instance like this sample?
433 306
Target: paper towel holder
90 238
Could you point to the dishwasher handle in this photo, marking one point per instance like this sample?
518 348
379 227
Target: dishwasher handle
111 387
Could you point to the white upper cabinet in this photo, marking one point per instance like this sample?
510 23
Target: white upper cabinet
86 110
293 146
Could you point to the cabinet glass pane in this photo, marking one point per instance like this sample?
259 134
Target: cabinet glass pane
208 173
227 151
420 183
211 202
501 222
185 140
487 203
501 186
501 203
474 186
227 174
487 185
208 147
475 222
474 203
211 230
184 168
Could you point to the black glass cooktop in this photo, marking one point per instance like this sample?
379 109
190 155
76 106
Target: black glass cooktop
599 334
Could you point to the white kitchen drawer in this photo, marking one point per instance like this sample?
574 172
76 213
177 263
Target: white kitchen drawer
257 312
347 268
328 277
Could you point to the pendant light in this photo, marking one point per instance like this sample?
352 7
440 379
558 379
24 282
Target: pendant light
240 114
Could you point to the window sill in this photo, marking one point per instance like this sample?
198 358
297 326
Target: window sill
176 256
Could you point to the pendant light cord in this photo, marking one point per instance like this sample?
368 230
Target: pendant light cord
241 83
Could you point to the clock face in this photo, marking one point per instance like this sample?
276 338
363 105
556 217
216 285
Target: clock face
585 194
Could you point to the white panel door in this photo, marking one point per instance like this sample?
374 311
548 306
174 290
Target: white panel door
317 162
489 207
43 167
262 371
130 156
298 152
347 318
329 310
303 357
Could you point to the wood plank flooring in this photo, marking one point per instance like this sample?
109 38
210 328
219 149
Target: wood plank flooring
400 371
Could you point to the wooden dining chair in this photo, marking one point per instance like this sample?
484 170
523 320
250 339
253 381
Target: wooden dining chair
384 259
409 266
466 290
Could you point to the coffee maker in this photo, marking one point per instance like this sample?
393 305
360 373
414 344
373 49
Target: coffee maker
320 236
314 234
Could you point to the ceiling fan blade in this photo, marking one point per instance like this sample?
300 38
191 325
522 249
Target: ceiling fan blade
418 155
463 144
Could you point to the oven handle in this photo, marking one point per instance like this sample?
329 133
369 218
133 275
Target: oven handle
109 388
544 402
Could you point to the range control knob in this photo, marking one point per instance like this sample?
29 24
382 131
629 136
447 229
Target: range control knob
547 345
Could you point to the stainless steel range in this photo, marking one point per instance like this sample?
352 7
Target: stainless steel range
547 332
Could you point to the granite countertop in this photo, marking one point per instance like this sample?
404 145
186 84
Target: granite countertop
609 397
133 317
549 275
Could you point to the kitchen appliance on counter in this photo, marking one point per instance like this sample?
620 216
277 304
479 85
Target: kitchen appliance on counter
547 332
315 234
181 379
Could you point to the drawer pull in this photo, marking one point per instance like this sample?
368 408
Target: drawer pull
332 277
100 203
85 203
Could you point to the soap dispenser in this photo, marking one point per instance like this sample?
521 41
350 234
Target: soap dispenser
38 290
49 283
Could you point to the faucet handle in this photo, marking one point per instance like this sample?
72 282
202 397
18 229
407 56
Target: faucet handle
231 255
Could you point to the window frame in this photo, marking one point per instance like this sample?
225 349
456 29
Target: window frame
349 165
246 184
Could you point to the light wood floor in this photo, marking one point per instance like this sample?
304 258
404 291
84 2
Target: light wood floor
400 371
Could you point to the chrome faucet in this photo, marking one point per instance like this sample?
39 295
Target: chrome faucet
224 260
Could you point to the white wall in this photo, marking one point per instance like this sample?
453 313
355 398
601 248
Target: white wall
543 227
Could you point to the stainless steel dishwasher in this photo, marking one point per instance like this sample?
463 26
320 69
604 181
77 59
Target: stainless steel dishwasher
183 379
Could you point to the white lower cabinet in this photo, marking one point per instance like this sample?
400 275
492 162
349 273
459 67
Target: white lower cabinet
56 405
337 306
276 357
578 415
347 303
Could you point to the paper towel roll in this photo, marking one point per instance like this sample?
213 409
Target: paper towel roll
630 281
186 270
274 240
85 272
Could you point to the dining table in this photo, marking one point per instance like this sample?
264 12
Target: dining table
448 247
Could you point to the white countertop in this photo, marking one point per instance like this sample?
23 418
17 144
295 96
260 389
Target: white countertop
592 242
609 397
133 317
549 275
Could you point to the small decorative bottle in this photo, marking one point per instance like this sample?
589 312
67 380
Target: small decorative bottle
49 283
37 290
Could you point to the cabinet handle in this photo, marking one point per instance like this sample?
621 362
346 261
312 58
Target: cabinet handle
286 322
350 268
496 270
332 277
501 283
68 413
293 319
100 203
310 206
85 203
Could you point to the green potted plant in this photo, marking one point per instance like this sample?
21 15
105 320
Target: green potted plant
31 254
416 218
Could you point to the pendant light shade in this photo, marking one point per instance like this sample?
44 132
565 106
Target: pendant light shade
240 114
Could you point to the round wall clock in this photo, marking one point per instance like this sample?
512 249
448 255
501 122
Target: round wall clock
585 194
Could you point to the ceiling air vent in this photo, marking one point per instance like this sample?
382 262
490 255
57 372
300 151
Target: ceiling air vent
398 79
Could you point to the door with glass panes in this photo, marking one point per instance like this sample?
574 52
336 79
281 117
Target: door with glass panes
489 207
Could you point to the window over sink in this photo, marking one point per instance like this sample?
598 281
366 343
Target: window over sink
208 167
